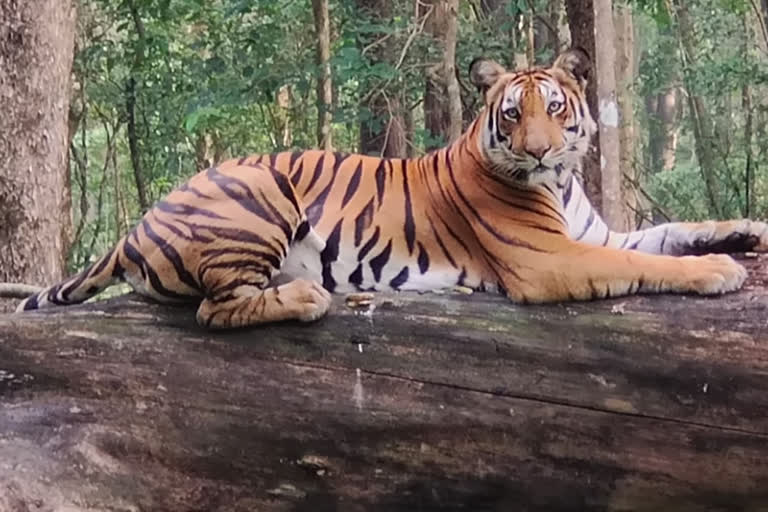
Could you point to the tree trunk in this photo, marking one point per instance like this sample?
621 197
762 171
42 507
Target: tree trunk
36 51
608 119
581 21
702 123
130 108
423 403
625 76
324 84
664 124
382 124
133 145
442 101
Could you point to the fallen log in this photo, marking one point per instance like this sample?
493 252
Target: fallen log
424 402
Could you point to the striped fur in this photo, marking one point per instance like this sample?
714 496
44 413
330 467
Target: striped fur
267 237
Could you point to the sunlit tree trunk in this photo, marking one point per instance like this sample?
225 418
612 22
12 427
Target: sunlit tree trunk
324 85
442 101
608 118
36 49
625 76
581 21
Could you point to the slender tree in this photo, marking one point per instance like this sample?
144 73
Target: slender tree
36 51
581 21
442 100
625 76
608 117
324 84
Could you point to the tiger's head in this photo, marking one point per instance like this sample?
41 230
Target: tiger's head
537 126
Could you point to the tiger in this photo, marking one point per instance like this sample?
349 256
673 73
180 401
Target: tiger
269 237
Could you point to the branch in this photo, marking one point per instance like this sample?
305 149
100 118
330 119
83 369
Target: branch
18 290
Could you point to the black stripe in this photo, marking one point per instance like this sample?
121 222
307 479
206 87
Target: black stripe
285 188
210 254
423 259
148 272
634 245
318 171
377 263
380 180
192 237
590 221
186 210
315 210
354 183
369 245
567 192
441 244
31 303
192 190
362 221
170 252
356 277
664 240
301 231
292 160
462 276
329 255
296 176
282 222
410 226
399 279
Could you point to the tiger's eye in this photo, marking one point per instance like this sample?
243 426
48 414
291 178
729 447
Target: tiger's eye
511 113
555 107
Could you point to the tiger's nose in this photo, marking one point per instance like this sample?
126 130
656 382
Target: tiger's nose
537 152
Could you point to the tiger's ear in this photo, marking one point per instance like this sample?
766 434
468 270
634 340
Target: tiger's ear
483 73
576 62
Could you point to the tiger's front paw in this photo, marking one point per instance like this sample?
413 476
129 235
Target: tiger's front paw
712 274
307 299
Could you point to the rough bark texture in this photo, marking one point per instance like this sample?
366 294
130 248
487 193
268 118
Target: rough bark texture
324 84
581 21
442 100
425 403
664 111
625 77
608 117
36 48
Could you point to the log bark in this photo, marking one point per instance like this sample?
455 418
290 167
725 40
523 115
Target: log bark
36 51
427 402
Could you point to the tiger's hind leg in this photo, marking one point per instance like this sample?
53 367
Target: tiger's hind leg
244 289
245 305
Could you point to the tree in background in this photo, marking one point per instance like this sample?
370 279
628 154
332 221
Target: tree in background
36 48
612 201
324 81
442 100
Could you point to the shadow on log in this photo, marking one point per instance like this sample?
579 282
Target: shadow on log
428 402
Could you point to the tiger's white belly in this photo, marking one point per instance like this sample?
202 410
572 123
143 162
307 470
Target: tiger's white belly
304 261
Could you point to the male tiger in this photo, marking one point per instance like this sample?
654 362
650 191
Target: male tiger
498 209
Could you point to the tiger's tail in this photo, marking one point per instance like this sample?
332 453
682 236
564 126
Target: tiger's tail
80 287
